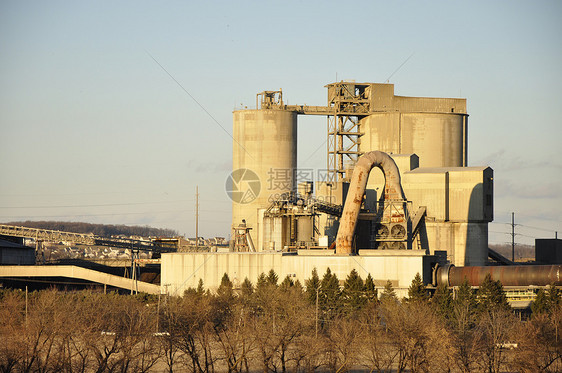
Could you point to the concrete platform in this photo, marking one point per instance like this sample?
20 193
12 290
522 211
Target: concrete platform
78 273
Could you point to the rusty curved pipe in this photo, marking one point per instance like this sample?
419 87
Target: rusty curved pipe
392 191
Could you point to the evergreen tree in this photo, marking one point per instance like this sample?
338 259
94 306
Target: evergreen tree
298 286
286 284
554 296
247 288
464 306
442 301
546 300
540 304
388 293
272 277
465 295
200 288
330 294
370 290
312 286
225 288
491 296
417 291
262 281
354 292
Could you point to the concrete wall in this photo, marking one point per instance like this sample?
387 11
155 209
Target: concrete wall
429 188
459 202
471 194
183 270
465 243
382 98
461 194
265 141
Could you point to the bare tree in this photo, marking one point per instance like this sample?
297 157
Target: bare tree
12 324
376 349
343 335
418 335
539 344
493 330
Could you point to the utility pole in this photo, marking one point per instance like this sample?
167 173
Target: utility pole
196 217
158 314
26 307
317 311
513 237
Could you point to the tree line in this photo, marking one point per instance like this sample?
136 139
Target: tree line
103 230
281 326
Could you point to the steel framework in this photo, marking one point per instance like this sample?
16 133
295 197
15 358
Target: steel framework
78 238
348 103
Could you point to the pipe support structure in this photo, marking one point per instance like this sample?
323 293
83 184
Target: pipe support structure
392 192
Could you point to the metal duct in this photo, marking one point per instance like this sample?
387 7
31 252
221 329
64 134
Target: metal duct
519 275
392 191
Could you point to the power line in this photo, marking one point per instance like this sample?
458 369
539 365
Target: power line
537 228
81 215
525 226
201 106
92 205
399 67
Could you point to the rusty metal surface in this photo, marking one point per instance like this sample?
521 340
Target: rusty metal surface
392 191
521 275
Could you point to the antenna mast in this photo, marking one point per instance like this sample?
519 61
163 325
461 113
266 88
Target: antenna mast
196 217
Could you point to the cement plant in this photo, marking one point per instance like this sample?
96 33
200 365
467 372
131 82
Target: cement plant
426 211
396 203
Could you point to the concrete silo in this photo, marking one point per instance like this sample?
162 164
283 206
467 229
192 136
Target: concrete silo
264 147
435 129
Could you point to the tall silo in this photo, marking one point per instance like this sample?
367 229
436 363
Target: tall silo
264 147
435 129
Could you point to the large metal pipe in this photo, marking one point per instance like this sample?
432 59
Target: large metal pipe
519 275
392 191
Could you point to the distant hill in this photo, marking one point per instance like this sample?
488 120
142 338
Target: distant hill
522 252
104 230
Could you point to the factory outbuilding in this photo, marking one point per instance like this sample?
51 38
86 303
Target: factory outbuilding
14 253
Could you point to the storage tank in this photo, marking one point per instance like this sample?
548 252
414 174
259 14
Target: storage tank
439 139
264 148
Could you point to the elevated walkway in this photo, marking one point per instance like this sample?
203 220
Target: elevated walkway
80 273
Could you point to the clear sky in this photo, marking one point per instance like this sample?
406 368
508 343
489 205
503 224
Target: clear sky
93 129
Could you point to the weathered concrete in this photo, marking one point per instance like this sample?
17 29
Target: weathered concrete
181 271
466 243
433 128
265 142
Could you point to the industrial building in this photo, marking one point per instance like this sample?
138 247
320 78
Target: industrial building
436 212
424 211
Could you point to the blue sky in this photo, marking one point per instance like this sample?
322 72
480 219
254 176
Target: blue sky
92 129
